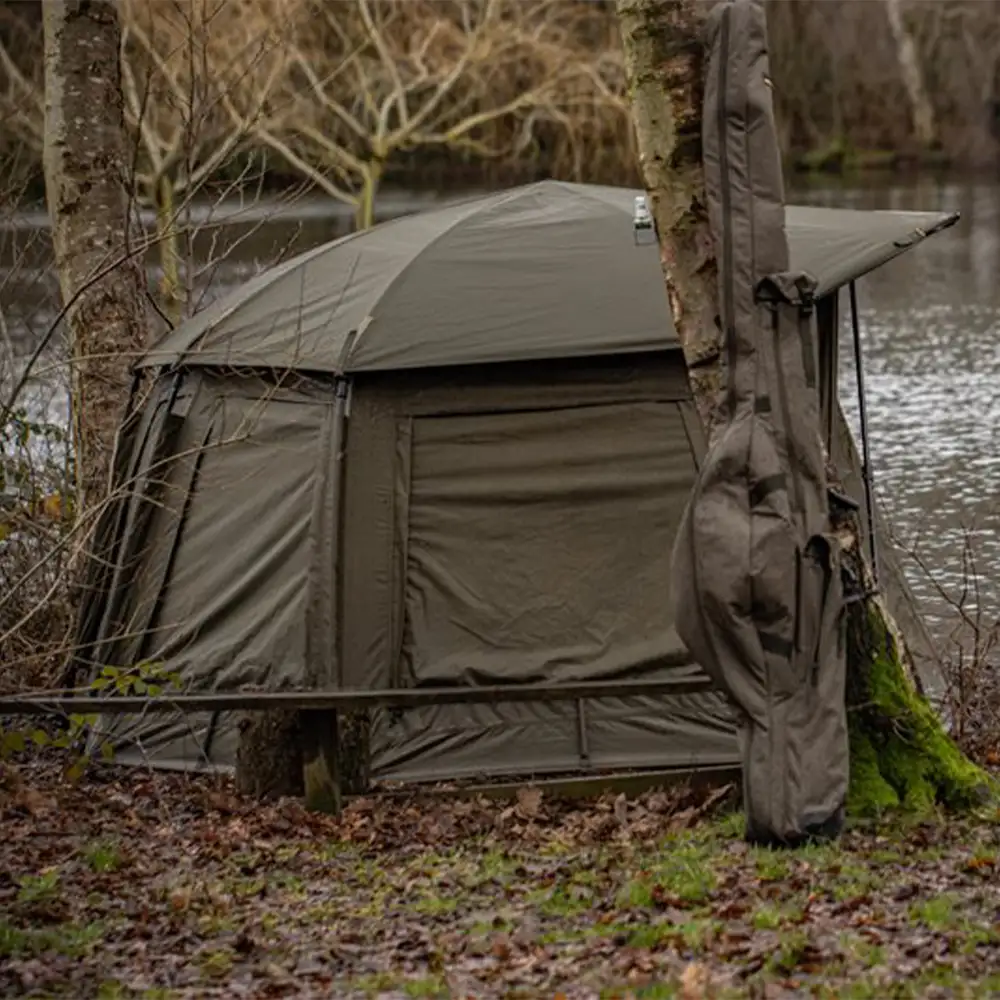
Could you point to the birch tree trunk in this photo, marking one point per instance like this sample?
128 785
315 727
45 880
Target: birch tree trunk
921 109
88 192
900 752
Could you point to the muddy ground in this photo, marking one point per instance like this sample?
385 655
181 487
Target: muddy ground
128 884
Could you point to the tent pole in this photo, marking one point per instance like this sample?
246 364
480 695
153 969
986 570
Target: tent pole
866 468
321 764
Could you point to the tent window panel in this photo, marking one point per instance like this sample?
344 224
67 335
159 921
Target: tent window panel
539 543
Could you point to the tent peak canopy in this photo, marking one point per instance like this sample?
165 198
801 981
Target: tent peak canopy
541 271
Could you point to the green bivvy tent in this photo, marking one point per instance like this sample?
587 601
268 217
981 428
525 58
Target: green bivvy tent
453 449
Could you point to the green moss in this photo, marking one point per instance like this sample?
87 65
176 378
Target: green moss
869 793
901 753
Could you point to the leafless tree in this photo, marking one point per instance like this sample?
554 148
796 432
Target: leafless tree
372 81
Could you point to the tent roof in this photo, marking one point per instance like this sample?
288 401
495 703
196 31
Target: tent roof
546 270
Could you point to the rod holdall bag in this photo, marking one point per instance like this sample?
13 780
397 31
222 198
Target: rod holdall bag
756 568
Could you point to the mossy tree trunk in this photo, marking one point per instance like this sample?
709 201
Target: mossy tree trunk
900 751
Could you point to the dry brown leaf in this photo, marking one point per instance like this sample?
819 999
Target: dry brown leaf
180 898
621 809
529 803
695 981
33 802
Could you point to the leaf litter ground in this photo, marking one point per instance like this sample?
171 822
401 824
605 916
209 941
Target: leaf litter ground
129 884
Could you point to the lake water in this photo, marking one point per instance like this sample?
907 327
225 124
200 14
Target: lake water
931 334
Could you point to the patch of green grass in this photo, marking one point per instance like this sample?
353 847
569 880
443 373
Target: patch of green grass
66 939
772 866
38 888
211 924
684 873
865 951
435 986
726 827
322 913
562 900
858 989
852 880
111 989
435 906
769 917
791 950
289 881
335 850
937 913
247 886
384 982
694 934
978 937
216 964
103 856
819 855
886 856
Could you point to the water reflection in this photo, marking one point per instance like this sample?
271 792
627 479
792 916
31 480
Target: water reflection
931 329
931 332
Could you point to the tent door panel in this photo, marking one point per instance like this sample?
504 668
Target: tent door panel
538 543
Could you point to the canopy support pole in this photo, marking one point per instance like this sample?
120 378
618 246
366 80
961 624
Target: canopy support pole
866 467
321 763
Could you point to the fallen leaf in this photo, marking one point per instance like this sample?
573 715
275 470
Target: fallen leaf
180 898
529 803
695 980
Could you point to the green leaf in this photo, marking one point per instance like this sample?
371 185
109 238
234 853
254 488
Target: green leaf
13 742
62 741
40 738
140 687
154 690
75 771
110 672
107 750
123 684
101 683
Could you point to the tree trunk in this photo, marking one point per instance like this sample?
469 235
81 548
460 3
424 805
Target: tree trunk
166 236
921 109
87 187
900 752
364 214
270 758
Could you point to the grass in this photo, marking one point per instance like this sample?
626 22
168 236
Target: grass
588 907
65 939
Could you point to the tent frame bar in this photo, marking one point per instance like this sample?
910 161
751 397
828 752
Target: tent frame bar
349 700
866 467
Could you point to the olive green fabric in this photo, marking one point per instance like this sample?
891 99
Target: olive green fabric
432 516
756 574
216 555
471 499
513 524
547 270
